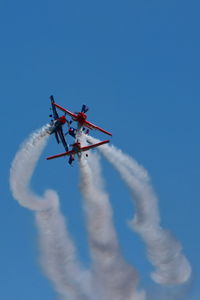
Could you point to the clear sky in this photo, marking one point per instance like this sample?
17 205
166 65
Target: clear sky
136 65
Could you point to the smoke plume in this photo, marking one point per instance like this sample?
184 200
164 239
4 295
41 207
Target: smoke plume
163 250
114 278
110 276
58 256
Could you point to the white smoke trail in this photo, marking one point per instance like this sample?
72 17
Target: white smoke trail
163 250
113 277
58 255
22 169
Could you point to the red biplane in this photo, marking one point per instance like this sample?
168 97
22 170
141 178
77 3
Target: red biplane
77 149
81 117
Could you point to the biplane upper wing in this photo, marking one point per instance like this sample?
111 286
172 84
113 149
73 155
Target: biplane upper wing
92 126
86 123
65 110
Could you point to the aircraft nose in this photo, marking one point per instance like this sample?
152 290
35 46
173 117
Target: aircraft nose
63 120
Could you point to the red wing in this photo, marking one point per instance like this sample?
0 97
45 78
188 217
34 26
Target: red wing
93 146
92 126
61 154
65 110
80 150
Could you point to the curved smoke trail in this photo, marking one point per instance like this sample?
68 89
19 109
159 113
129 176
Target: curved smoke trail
58 255
112 278
163 250
115 278
22 169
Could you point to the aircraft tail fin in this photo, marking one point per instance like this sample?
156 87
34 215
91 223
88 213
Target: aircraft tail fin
85 108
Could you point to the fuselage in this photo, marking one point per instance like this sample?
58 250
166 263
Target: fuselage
76 147
80 117
56 124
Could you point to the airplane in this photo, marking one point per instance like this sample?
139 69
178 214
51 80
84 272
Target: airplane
56 125
77 149
81 117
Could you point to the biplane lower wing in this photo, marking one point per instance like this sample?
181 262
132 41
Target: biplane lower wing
62 154
56 136
76 151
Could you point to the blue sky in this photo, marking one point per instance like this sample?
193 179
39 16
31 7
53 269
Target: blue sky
136 65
